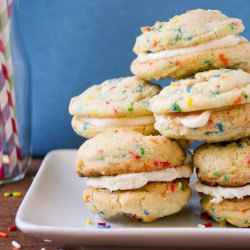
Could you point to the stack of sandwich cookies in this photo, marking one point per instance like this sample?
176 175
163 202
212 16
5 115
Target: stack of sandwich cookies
223 171
144 177
198 40
212 106
114 104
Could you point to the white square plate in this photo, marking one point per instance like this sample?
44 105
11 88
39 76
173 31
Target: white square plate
53 209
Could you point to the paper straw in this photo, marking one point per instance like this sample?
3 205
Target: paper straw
9 3
5 11
9 121
2 174
7 93
8 128
12 146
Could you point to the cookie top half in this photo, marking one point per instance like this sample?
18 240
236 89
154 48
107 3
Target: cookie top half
189 29
121 97
127 152
206 90
225 163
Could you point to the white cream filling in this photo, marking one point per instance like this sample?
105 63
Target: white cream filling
227 41
138 180
189 121
120 122
219 193
195 121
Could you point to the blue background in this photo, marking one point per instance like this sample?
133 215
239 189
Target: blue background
71 45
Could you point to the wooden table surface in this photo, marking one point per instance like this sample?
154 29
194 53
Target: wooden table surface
8 209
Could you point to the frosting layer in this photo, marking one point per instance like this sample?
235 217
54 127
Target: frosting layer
227 41
138 180
219 193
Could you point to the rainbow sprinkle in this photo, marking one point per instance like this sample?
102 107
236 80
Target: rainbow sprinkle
207 63
176 108
226 178
189 102
200 226
223 59
88 221
188 89
216 174
205 200
101 158
103 225
86 197
205 225
3 235
12 228
130 108
16 244
220 127
142 151
12 194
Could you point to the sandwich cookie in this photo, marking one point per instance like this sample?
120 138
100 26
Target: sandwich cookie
198 40
212 106
114 104
223 170
144 177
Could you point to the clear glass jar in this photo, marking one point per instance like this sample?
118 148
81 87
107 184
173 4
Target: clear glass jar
15 129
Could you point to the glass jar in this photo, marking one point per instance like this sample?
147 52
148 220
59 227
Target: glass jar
15 113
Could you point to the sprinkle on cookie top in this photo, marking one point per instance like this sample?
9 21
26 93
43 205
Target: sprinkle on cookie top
189 29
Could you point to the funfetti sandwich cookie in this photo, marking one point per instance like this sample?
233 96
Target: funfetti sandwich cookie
198 40
224 180
212 106
115 104
144 177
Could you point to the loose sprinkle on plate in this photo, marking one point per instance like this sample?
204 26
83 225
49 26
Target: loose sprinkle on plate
103 225
12 194
209 224
12 228
3 235
88 221
46 240
200 226
16 244
205 225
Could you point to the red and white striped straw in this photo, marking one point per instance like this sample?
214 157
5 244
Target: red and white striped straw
9 124
2 172
7 94
5 12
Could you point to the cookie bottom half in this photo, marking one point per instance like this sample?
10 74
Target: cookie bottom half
234 211
223 125
153 201
88 130
179 67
